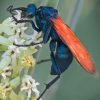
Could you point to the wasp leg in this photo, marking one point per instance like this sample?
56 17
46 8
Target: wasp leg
46 37
42 61
49 85
12 10
27 45
25 21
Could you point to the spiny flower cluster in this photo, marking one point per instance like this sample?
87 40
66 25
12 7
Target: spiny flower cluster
15 61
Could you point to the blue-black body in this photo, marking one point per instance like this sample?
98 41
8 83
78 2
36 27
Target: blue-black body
61 57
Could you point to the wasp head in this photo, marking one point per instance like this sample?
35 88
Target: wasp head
31 10
28 12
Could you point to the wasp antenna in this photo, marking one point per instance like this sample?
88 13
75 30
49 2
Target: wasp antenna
10 8
20 8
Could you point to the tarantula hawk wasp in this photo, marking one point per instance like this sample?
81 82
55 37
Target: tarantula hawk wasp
63 42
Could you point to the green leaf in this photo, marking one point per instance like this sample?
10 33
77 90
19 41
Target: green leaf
22 95
5 62
15 82
3 48
14 96
5 27
4 41
32 51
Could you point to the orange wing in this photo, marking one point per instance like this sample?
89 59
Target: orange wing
79 51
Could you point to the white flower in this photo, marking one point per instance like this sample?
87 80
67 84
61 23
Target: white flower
29 85
18 15
28 61
5 90
10 27
6 72
5 27
14 51
15 33
35 38
18 28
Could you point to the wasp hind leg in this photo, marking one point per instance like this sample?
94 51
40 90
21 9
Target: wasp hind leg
48 85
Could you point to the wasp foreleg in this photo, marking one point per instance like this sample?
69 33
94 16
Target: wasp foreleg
25 21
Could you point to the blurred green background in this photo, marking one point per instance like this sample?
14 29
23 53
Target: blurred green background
83 16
